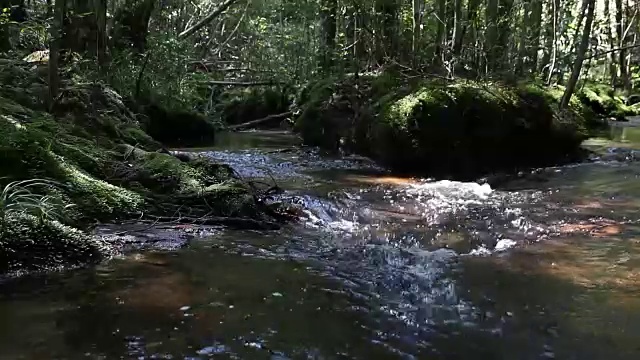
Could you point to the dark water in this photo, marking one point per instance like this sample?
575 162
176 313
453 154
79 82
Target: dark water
544 267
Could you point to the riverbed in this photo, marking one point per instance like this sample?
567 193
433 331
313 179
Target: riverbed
543 266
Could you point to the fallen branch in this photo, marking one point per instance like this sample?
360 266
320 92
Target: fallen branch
260 121
235 222
190 31
245 83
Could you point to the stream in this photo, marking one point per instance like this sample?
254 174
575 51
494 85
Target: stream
544 266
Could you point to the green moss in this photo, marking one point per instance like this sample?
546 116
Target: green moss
30 244
97 198
238 105
180 128
83 147
166 173
605 101
315 124
460 128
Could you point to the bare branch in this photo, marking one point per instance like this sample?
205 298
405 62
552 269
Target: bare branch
214 14
260 121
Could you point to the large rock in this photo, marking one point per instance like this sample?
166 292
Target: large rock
458 129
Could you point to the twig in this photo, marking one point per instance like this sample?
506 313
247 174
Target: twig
246 83
238 222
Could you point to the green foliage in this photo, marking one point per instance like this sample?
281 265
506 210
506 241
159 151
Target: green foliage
166 79
32 197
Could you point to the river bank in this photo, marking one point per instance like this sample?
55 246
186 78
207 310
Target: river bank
90 159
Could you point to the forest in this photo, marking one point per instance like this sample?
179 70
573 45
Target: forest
93 93
319 179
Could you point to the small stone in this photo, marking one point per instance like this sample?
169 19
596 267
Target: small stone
185 308
277 294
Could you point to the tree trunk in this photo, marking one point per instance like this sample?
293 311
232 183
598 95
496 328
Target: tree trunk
54 51
440 32
100 8
535 25
415 34
457 24
582 49
548 40
328 40
491 39
522 43
131 25
387 43
554 50
613 70
472 8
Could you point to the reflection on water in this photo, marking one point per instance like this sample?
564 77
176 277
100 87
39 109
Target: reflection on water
544 267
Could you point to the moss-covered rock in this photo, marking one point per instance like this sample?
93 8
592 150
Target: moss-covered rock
460 129
28 243
178 128
238 105
44 148
606 101
105 166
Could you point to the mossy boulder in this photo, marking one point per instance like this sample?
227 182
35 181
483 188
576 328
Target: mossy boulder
105 167
239 105
44 148
28 243
177 127
459 129
606 101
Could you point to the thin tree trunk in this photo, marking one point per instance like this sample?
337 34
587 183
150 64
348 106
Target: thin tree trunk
535 23
613 70
524 36
472 7
327 46
54 51
624 76
582 49
457 24
100 7
415 34
554 52
440 32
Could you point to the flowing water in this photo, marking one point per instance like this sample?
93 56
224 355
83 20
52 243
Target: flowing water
545 266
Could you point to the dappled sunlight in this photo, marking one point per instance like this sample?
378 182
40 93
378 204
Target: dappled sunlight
588 261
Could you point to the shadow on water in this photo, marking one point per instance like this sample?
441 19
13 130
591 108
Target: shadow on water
383 268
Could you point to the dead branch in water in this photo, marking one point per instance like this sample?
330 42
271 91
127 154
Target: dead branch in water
245 83
236 222
260 121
